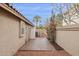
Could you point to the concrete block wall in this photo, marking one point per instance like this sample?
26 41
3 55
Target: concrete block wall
68 38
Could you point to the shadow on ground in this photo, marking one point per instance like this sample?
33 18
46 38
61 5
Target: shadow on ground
56 46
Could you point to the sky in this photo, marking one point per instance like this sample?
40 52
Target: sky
44 10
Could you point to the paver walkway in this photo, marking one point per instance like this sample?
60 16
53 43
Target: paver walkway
42 53
38 44
40 47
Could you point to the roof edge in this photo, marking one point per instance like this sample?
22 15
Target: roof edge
15 12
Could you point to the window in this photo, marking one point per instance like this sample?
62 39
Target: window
21 29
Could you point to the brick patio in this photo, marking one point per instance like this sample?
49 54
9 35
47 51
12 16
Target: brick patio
42 53
38 44
40 47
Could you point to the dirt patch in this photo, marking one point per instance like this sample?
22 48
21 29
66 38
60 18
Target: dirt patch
56 46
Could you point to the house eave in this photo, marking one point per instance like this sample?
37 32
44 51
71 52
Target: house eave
16 13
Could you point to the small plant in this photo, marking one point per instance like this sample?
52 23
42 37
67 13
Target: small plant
51 31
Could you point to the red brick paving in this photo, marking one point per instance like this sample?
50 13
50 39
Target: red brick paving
42 53
38 44
40 47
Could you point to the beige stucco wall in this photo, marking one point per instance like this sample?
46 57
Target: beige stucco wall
32 35
30 30
10 41
68 38
27 33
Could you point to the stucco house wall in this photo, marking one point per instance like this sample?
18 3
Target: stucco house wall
31 31
10 41
13 33
32 35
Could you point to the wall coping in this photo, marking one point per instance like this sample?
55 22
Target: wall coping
74 27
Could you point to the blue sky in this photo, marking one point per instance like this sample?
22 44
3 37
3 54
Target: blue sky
29 10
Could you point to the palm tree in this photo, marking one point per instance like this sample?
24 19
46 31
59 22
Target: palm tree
36 19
